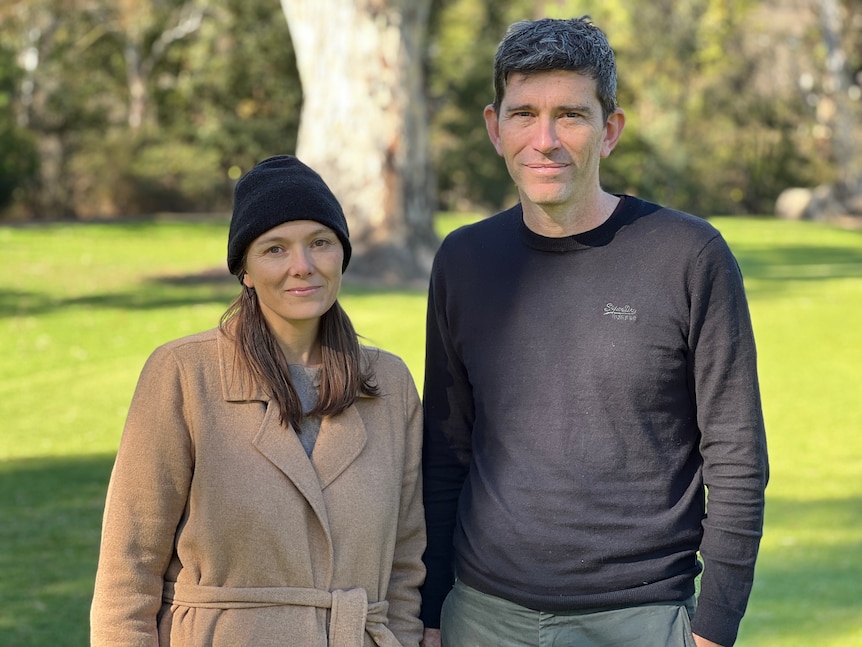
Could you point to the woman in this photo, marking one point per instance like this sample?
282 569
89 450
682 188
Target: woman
267 487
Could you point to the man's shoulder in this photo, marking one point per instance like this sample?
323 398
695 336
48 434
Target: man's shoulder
489 226
662 220
473 242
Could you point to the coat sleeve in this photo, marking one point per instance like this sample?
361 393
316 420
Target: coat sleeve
146 497
408 572
733 441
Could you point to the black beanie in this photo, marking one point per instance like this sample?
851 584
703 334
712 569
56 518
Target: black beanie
276 191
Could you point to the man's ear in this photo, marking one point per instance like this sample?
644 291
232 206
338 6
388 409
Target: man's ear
492 124
613 131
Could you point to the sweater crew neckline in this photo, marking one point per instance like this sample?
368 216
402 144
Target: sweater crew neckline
597 237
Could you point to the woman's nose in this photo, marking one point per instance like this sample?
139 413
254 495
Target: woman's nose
301 263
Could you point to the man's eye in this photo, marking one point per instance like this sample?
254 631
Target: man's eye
321 242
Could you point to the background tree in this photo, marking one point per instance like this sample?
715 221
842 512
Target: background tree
143 31
364 124
212 104
728 103
839 103
463 38
18 160
717 119
31 33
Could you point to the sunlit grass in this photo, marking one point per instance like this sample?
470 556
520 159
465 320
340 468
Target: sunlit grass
805 286
83 305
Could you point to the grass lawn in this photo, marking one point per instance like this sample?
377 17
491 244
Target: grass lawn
84 304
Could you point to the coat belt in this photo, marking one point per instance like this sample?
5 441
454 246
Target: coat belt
351 614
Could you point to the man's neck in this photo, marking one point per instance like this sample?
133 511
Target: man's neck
558 221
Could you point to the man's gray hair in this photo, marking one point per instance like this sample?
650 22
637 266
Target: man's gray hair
574 44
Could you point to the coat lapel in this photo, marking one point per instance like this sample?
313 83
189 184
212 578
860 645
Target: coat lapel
342 438
279 445
283 449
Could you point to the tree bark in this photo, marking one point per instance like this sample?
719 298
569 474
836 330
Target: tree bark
836 86
364 126
140 60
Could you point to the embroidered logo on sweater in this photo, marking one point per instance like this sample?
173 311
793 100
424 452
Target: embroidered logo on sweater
620 313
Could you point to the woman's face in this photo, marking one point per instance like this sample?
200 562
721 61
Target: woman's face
295 270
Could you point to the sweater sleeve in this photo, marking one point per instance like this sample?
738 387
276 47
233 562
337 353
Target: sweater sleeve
733 441
448 420
147 493
407 569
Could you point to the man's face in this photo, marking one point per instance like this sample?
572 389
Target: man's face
552 135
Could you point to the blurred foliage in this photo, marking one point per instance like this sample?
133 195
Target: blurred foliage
464 37
726 101
218 97
714 123
17 148
144 173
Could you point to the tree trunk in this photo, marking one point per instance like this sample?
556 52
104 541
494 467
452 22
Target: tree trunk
837 91
142 60
137 82
364 126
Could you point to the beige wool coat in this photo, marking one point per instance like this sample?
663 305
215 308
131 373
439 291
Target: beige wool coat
219 531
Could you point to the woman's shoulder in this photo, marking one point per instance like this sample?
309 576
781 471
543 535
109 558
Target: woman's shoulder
379 359
386 366
197 345
190 359
190 341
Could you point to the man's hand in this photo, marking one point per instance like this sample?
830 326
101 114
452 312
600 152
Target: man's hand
700 642
431 638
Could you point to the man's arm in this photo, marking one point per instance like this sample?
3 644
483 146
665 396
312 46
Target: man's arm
448 415
733 441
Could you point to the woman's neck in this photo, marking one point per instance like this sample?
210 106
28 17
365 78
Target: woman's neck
299 344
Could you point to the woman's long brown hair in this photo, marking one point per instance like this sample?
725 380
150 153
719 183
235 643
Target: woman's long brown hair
343 376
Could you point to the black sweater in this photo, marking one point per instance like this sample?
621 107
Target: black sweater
580 392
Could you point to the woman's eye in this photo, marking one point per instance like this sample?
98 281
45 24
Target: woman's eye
275 249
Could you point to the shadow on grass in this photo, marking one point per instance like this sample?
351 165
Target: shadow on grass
154 293
801 262
807 587
767 269
51 511
770 269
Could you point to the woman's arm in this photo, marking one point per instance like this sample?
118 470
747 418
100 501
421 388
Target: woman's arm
408 572
146 498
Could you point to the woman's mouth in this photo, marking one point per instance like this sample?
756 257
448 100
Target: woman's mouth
303 291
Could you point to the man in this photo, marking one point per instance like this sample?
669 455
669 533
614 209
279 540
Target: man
590 375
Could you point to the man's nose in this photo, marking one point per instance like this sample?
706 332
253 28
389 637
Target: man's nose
546 138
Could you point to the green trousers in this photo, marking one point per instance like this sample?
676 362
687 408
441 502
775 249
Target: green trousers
474 619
